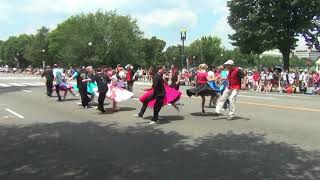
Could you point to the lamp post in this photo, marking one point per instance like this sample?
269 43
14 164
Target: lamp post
90 44
194 61
17 60
44 59
183 34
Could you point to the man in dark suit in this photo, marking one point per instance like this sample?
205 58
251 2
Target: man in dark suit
102 82
158 94
48 74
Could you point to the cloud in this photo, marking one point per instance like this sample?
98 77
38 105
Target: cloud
70 6
169 17
221 27
5 9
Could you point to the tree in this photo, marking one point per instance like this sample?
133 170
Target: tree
153 51
266 24
173 54
97 39
13 50
240 59
37 51
206 50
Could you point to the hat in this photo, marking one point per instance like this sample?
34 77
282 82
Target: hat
129 65
229 62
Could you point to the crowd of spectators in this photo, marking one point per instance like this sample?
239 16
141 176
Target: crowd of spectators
295 81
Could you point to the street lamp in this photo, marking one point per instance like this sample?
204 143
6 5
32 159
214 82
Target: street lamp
194 61
17 60
43 61
183 34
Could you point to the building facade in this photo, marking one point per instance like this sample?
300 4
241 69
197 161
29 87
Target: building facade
307 53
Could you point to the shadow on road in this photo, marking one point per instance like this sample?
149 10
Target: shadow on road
127 109
167 119
90 151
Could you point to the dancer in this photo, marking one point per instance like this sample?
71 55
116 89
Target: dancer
157 95
117 93
66 86
81 86
48 74
175 80
91 86
171 97
214 75
202 89
130 77
57 73
234 80
102 81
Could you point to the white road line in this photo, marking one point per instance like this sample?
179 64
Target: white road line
28 91
33 84
14 113
257 97
17 84
4 85
39 84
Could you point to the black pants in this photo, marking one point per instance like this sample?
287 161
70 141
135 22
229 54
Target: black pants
49 85
101 98
58 92
157 106
84 96
130 85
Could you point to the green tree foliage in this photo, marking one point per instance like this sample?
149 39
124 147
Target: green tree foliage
267 24
13 50
114 39
240 59
173 55
37 50
153 51
206 50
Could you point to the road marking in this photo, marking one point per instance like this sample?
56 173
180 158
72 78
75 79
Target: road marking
17 84
257 97
4 85
28 91
280 106
14 113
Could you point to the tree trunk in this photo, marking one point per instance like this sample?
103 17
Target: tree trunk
285 58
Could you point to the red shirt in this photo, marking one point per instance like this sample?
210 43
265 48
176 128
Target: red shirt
202 77
234 79
128 77
256 76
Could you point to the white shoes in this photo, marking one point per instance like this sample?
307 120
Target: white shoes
153 123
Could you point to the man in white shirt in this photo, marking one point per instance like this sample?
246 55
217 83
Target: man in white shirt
57 73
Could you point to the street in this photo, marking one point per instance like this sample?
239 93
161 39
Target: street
274 136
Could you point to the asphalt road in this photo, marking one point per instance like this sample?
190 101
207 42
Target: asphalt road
275 136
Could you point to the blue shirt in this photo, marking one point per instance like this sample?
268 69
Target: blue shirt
224 74
57 73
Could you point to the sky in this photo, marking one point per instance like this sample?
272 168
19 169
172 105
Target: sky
160 18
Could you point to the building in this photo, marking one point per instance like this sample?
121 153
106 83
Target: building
307 53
